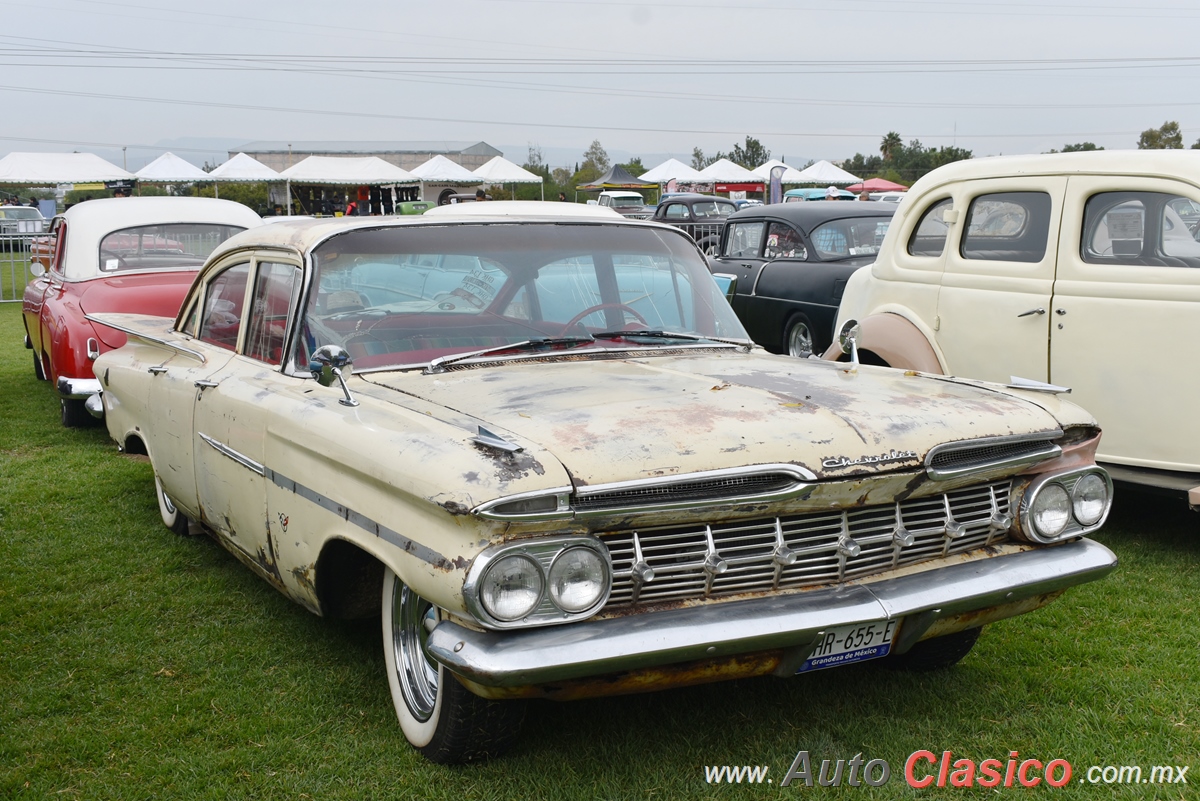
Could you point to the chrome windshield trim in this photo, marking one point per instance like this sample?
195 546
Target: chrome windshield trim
1051 451
568 353
240 458
157 340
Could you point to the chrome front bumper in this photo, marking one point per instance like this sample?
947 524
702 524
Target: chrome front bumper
600 647
77 388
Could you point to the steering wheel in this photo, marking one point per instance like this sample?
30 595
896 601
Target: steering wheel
600 307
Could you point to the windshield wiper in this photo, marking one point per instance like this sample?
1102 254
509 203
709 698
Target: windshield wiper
540 343
660 334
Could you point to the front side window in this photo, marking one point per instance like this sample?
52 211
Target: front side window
784 242
224 298
267 323
1008 226
403 296
1141 228
677 211
847 239
162 247
744 240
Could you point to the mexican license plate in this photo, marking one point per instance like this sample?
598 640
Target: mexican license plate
855 643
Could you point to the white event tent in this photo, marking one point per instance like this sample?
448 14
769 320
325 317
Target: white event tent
790 175
337 171
51 169
672 170
822 172
502 171
170 169
440 175
724 171
244 169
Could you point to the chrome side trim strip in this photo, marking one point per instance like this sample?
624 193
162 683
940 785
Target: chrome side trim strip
422 552
157 340
225 450
713 631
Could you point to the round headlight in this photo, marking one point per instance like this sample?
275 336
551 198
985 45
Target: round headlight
1051 510
1089 499
577 579
511 588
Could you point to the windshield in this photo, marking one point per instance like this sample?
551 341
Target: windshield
162 247
625 201
404 296
20 213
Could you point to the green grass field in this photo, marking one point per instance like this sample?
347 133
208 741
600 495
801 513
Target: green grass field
137 664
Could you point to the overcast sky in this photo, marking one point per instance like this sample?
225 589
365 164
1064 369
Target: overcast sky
809 78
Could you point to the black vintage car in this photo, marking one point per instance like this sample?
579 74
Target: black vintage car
701 216
787 265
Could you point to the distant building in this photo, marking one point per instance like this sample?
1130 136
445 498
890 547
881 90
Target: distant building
406 155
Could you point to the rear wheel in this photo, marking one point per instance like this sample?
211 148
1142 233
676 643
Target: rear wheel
798 338
172 518
439 716
937 652
37 367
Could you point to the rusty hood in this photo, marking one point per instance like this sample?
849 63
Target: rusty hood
612 420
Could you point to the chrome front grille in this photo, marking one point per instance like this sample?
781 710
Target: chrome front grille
698 561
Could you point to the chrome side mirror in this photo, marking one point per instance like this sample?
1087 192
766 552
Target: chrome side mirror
329 363
848 340
37 269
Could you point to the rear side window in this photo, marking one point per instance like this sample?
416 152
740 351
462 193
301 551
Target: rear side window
1141 228
162 247
1008 226
930 237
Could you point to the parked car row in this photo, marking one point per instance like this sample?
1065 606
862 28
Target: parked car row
538 443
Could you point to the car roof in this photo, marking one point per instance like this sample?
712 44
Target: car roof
1183 164
304 234
807 215
695 196
89 221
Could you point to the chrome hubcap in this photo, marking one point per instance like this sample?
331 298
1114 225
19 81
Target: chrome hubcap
417 674
800 341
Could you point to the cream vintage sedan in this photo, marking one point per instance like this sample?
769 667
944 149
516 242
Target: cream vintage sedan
559 468
1081 270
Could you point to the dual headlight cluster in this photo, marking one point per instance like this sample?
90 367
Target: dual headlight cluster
538 582
1063 505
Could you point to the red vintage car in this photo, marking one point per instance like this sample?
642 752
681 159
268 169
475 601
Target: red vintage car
114 255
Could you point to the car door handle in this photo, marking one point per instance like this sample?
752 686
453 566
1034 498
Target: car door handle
156 370
1032 311
206 384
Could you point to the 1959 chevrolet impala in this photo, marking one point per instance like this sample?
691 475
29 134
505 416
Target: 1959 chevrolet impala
559 468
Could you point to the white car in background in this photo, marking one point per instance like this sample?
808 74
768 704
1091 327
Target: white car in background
1076 270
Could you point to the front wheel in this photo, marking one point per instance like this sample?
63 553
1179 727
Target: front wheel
172 518
441 718
798 338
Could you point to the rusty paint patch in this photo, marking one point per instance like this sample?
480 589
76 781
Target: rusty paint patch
455 508
303 576
686 674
